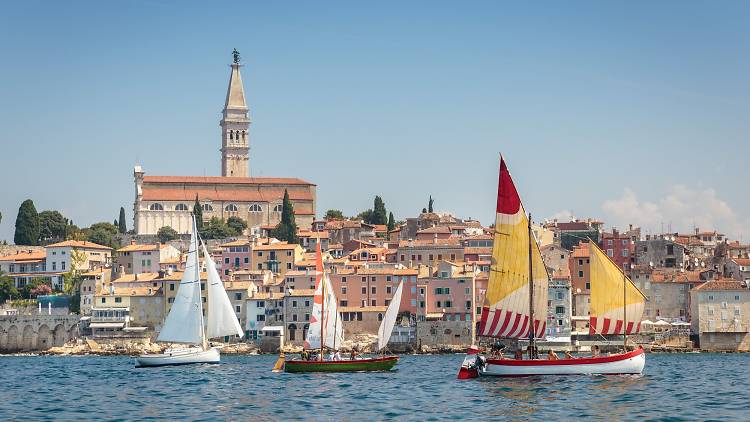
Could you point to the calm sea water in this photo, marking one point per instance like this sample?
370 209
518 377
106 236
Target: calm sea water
673 387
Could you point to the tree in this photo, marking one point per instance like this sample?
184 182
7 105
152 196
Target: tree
103 234
334 215
237 224
391 222
167 233
287 228
216 229
424 210
27 224
121 225
365 216
35 287
198 213
379 215
7 289
52 225
429 204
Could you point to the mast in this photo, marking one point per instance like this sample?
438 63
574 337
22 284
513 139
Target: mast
473 307
532 340
624 312
322 314
204 342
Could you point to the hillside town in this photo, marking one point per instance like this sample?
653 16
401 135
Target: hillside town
263 232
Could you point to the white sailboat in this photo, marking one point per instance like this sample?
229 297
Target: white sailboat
185 323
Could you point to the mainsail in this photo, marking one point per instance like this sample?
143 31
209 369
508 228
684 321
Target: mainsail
389 320
221 320
184 323
611 312
316 318
334 328
505 312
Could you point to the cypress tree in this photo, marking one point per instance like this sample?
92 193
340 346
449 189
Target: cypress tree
27 224
287 228
379 215
121 221
198 213
429 204
391 222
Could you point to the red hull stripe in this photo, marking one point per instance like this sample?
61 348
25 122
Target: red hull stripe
338 362
579 361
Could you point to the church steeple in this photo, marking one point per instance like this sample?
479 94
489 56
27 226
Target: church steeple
235 125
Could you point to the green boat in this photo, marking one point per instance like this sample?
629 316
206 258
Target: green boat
385 363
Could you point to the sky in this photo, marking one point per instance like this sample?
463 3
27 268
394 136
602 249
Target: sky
629 112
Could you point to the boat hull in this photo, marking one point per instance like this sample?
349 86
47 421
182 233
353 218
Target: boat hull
179 357
618 364
356 365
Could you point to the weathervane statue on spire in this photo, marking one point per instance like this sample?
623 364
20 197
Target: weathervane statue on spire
236 56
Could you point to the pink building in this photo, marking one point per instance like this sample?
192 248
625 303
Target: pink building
235 256
447 293
369 287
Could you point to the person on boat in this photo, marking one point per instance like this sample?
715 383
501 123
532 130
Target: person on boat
568 355
595 352
518 355
353 354
337 355
551 355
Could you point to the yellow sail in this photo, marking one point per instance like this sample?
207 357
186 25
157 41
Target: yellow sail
506 309
613 309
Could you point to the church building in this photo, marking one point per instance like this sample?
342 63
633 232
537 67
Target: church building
168 200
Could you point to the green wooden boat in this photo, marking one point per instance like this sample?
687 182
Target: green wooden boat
385 363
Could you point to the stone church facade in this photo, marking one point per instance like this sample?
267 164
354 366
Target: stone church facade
168 200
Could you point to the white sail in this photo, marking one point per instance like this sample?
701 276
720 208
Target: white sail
389 320
334 327
184 323
312 341
221 320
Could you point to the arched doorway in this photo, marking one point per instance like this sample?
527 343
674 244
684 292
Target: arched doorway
58 335
292 332
43 338
304 331
28 337
12 342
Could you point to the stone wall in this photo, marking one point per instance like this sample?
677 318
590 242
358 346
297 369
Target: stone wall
25 333
443 333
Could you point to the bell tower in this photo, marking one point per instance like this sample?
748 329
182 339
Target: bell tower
235 125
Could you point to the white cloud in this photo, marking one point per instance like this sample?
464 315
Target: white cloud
682 208
563 215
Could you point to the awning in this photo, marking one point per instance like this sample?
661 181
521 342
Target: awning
662 323
107 324
274 328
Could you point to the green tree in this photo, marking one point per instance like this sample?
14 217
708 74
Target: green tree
166 233
121 225
424 210
52 225
114 223
379 215
7 289
429 204
287 228
216 229
237 224
198 213
391 222
35 287
27 224
366 216
103 234
334 215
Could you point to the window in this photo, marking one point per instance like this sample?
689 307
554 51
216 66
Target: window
207 207
307 303
180 207
54 266
580 274
373 290
294 317
118 300
278 208
231 208
156 207
170 300
439 304
380 316
374 302
260 304
588 286
237 309
609 242
260 317
307 317
610 253
559 309
255 208
624 253
580 262
62 265
387 289
203 286
364 290
467 291
344 303
238 296
736 311
343 279
468 304
171 287
247 260
343 290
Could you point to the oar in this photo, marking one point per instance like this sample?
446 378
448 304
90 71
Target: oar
279 366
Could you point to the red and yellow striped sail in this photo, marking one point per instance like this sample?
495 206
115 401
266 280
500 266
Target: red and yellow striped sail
505 312
608 305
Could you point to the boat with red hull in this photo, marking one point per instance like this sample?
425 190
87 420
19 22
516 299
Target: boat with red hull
631 362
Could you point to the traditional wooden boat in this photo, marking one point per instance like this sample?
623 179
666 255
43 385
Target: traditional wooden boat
185 324
326 330
516 301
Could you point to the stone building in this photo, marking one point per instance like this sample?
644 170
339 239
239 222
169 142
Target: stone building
721 315
660 252
168 200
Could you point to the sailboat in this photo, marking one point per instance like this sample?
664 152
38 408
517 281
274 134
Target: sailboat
185 323
516 301
326 330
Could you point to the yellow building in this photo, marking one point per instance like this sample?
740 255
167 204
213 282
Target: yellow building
276 257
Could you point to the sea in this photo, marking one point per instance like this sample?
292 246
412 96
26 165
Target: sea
422 388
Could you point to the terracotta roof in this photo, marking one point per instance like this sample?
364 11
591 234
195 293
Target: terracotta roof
78 244
301 292
481 237
722 285
248 194
435 230
430 242
239 242
238 285
574 225
25 256
308 233
363 309
380 227
127 278
276 246
267 296
478 250
138 248
130 291
581 251
222 180
742 261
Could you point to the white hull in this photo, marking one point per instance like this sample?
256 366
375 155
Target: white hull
626 363
179 357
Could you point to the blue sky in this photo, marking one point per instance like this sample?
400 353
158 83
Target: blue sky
624 111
